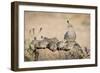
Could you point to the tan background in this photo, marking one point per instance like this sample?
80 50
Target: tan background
55 25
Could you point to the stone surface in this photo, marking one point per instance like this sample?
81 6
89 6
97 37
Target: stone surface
47 54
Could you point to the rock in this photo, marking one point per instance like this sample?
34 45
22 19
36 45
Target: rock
29 55
47 54
75 53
